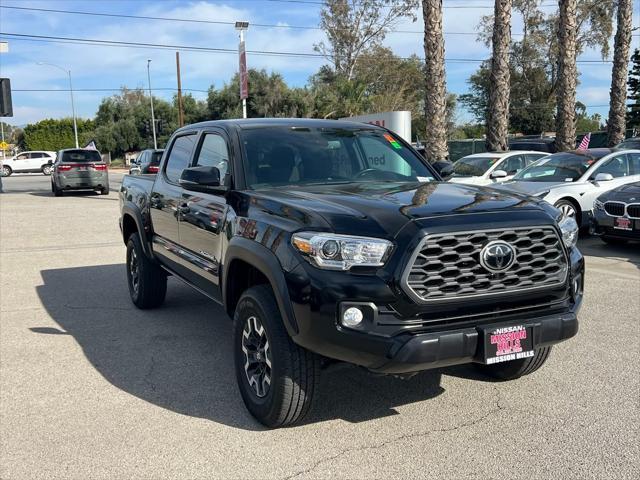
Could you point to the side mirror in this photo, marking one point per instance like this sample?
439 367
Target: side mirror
444 169
201 179
498 174
603 177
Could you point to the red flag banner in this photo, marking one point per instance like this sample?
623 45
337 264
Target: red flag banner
244 76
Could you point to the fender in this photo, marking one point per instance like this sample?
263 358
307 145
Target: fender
131 209
267 263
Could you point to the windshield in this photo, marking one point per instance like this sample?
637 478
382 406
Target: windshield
303 155
559 167
473 166
74 156
156 157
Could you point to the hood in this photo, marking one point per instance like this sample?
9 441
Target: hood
629 193
528 188
382 209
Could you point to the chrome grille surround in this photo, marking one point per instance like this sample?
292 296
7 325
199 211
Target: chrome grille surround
446 266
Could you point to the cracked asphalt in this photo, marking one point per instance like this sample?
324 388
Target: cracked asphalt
90 387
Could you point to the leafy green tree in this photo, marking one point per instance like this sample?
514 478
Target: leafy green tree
633 113
55 135
123 122
269 96
353 27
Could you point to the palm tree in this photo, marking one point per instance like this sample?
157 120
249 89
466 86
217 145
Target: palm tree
567 76
618 96
498 112
435 104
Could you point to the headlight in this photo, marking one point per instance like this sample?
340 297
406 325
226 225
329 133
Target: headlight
598 205
542 194
341 252
569 229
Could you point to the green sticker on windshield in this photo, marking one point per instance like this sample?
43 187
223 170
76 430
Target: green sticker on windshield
394 143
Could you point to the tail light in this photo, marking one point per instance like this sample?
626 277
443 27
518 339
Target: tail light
153 169
64 168
100 166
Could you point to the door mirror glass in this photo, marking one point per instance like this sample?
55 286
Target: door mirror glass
603 177
498 174
201 179
445 169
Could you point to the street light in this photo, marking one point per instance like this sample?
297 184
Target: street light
153 118
73 107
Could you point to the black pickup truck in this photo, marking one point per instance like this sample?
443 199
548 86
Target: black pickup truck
335 241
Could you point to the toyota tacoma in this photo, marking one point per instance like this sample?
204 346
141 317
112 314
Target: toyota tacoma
335 241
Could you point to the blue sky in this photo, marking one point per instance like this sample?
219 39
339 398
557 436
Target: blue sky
112 67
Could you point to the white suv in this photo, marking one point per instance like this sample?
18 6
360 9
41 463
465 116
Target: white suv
29 162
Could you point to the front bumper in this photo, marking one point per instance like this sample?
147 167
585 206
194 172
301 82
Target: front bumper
439 349
400 340
603 224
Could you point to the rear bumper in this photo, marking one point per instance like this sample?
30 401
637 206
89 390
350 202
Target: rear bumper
82 183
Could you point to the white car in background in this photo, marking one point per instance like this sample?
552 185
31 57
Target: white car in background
491 167
571 181
29 162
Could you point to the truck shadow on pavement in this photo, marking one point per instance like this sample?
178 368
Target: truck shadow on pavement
179 356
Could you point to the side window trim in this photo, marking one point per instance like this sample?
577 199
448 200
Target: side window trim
194 133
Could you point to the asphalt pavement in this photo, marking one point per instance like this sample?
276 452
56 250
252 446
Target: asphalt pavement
91 387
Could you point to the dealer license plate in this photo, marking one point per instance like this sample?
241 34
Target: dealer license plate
505 344
622 223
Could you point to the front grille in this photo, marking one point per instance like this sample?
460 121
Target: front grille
633 210
447 266
614 208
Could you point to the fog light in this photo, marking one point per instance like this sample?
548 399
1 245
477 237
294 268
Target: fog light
352 317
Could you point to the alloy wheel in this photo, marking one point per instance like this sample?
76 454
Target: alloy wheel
567 210
6 171
257 365
47 169
134 271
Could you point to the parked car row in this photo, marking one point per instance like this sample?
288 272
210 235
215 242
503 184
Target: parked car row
578 183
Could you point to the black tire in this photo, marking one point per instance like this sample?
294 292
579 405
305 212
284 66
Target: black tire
56 191
6 171
104 191
292 370
613 241
147 281
566 206
516 368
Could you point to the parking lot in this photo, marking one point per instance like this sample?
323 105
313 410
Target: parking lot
93 388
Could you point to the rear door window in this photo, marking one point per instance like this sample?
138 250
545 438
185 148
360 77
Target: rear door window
179 156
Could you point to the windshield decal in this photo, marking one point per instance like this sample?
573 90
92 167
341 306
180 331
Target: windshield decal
394 143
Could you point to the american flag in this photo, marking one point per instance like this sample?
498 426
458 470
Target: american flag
584 144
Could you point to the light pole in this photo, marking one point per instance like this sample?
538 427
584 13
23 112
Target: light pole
73 106
244 82
153 118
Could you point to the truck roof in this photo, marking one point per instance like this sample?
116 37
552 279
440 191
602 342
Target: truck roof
282 122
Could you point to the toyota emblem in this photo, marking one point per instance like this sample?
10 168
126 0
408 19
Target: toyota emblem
497 256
